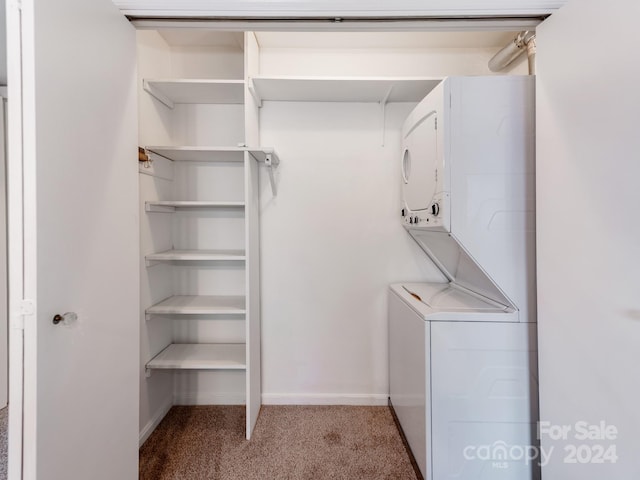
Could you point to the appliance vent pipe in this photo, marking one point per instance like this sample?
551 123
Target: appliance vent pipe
525 40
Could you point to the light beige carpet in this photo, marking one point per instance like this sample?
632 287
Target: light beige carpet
289 442
4 430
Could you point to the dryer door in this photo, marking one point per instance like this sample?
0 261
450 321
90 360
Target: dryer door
419 162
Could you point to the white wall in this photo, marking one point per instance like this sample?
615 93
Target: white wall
3 43
332 239
589 231
433 62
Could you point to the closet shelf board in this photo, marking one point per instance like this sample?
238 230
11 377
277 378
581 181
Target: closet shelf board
199 154
173 91
200 356
199 305
344 89
170 206
212 153
196 255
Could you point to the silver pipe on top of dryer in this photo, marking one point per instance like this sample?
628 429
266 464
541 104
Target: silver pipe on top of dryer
525 41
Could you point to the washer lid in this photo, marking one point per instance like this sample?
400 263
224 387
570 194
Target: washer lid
458 265
450 297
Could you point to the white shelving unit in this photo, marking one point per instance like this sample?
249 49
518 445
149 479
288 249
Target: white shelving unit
173 91
199 305
200 356
341 89
200 172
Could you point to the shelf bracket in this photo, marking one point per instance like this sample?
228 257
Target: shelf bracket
268 161
254 93
153 91
271 160
383 105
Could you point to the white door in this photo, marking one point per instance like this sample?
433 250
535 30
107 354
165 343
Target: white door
4 324
588 249
77 130
420 160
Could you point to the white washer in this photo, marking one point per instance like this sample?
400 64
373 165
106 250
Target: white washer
463 383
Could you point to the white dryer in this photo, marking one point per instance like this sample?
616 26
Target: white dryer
463 371
468 173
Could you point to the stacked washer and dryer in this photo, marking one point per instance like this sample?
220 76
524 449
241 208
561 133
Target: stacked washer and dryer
463 356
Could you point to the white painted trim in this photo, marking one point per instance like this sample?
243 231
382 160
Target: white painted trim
15 239
276 25
152 424
208 398
364 399
336 8
30 236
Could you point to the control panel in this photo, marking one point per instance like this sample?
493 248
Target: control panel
432 217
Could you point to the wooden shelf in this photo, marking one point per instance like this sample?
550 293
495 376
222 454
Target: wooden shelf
173 205
213 154
195 256
343 89
199 305
200 356
172 91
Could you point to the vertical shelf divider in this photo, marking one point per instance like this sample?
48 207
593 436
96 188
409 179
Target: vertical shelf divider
252 236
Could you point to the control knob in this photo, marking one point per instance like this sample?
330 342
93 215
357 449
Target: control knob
435 209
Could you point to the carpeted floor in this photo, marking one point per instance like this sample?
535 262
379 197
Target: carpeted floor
289 442
3 442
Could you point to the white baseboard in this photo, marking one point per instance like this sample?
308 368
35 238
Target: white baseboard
363 399
154 422
197 398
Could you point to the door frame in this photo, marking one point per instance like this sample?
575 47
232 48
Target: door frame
21 197
15 238
21 239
